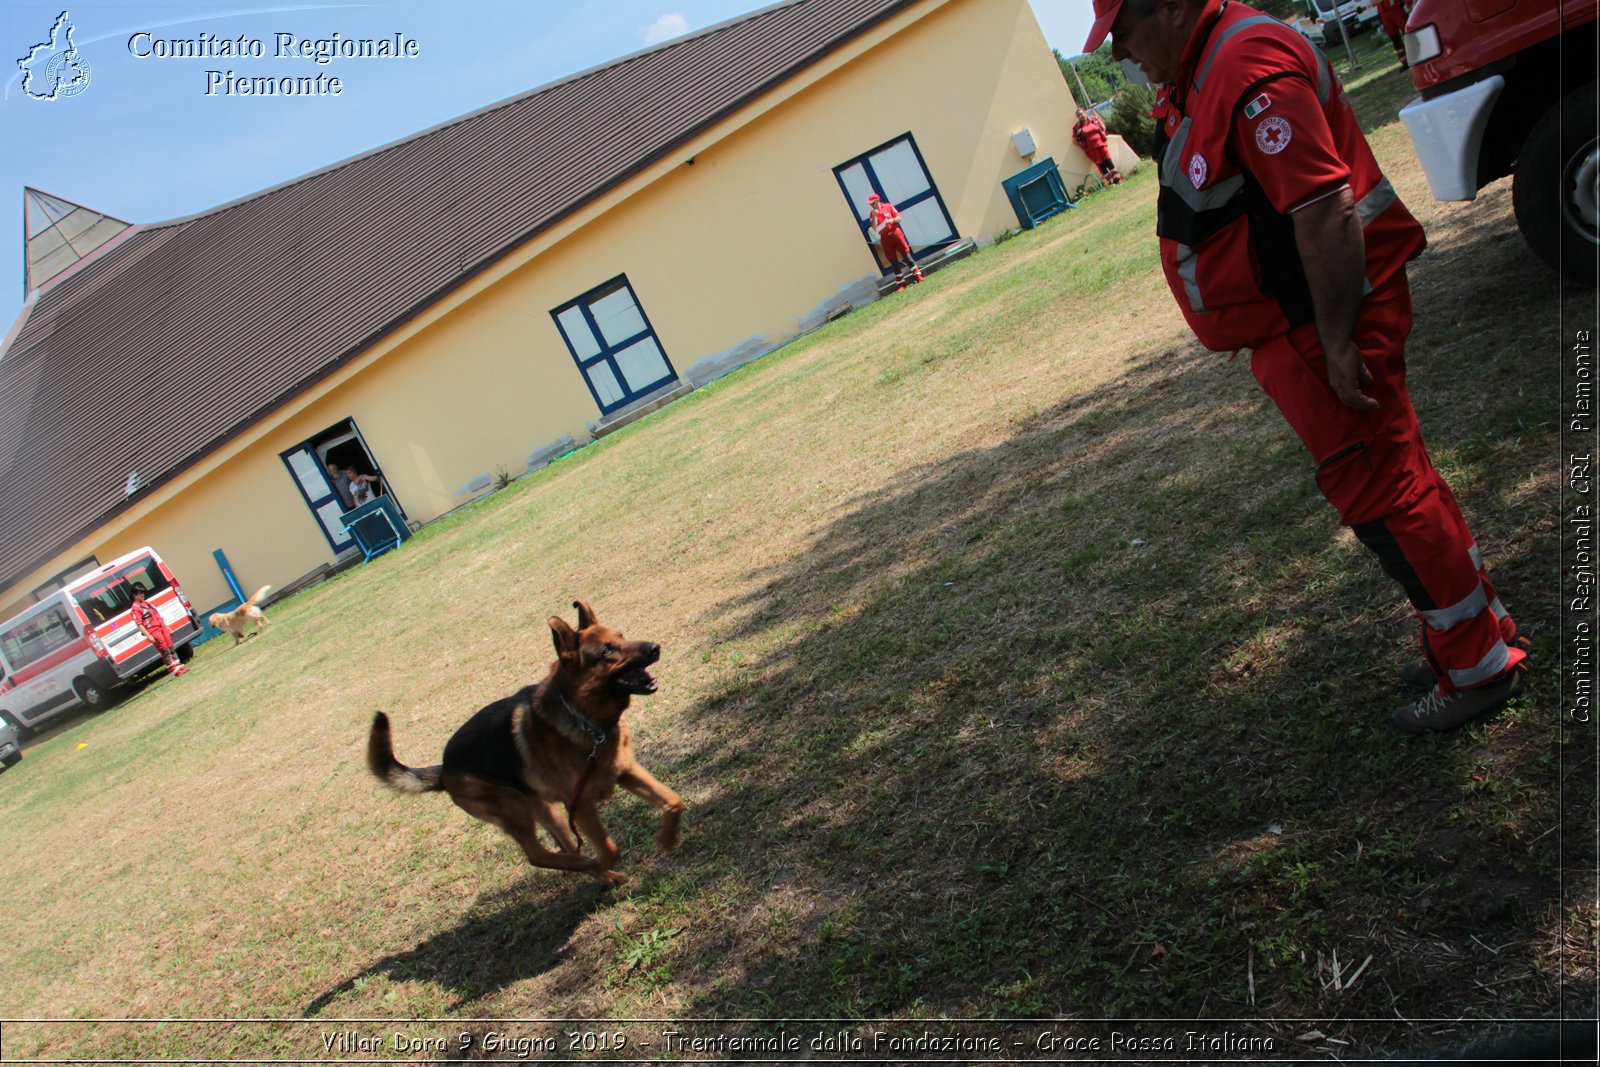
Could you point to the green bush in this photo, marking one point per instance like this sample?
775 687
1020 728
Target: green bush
1130 117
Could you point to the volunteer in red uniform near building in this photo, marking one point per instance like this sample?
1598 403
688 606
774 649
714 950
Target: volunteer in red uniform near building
885 222
1280 234
150 623
1090 133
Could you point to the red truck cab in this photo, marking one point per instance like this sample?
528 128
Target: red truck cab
1508 87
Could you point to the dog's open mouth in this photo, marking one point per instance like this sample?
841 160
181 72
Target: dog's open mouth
635 680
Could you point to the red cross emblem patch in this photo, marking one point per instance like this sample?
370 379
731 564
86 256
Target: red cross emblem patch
1273 135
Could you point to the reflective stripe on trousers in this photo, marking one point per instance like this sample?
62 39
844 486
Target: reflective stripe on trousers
1374 469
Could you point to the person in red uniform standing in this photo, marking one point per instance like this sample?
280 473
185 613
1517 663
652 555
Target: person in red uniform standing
1392 16
885 222
1090 134
1279 233
154 628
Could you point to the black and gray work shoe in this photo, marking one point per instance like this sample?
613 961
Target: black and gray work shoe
1446 711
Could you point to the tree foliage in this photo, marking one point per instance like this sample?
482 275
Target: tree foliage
1101 76
1130 117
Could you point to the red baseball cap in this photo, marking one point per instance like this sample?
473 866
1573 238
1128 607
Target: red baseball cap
874 196
1105 13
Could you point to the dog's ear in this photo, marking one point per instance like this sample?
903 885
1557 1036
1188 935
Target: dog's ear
586 616
565 637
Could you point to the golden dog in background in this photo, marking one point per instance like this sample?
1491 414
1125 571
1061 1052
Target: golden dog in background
241 618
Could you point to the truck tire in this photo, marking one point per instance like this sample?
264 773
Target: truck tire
1554 190
94 698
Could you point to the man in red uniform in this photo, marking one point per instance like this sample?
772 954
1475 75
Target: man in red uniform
150 623
885 222
1279 233
1090 133
1392 16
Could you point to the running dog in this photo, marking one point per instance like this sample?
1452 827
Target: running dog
241 618
561 742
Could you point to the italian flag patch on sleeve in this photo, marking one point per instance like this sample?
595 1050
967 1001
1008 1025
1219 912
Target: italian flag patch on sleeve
1257 106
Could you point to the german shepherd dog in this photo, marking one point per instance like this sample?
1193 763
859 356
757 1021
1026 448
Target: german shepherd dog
517 761
242 618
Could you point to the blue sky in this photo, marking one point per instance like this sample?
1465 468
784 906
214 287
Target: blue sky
144 142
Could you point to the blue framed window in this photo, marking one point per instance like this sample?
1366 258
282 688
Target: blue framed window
614 345
897 172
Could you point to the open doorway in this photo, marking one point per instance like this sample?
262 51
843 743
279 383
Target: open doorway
331 471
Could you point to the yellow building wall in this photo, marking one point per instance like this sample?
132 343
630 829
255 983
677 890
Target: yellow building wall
743 243
960 82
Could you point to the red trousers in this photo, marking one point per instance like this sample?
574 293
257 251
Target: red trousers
894 244
1097 151
1373 468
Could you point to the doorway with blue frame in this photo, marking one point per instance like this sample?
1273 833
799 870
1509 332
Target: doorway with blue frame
342 446
897 172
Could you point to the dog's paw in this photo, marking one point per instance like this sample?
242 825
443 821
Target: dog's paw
609 878
668 837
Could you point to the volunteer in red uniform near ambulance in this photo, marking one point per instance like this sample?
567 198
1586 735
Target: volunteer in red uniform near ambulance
1392 17
1280 234
147 617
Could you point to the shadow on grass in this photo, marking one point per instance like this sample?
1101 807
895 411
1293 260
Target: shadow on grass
501 941
1093 723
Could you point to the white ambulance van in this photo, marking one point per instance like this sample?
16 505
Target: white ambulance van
77 644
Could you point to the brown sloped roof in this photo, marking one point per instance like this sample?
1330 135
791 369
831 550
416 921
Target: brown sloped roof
178 335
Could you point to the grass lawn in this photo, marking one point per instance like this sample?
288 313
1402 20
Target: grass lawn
1013 668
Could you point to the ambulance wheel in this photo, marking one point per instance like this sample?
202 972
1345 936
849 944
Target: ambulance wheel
24 732
185 653
94 698
1557 186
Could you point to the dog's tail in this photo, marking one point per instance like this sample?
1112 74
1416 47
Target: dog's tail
255 598
390 771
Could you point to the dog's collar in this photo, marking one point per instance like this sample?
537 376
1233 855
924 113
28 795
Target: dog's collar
599 736
579 728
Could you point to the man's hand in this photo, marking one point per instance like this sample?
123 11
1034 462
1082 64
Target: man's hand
1347 373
